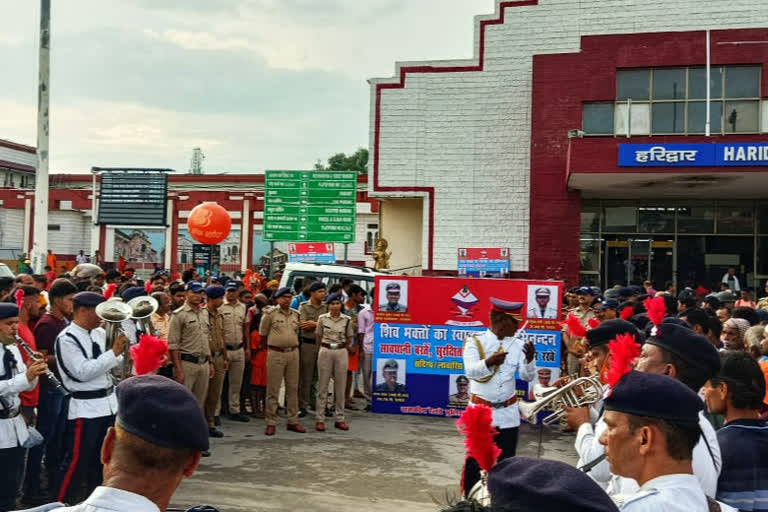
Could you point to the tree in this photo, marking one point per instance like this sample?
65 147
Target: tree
341 162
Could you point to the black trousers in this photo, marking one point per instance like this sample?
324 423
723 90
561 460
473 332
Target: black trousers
506 440
81 468
11 471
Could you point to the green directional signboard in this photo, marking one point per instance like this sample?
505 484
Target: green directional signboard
311 206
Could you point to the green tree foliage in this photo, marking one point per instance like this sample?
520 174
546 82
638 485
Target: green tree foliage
357 162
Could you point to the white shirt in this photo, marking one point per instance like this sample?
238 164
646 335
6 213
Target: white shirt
589 448
113 500
13 431
502 386
706 467
93 373
670 493
535 312
736 287
81 258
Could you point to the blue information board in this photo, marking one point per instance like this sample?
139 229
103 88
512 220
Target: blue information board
737 154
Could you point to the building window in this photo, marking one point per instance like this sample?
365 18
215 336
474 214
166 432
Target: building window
371 236
54 227
672 101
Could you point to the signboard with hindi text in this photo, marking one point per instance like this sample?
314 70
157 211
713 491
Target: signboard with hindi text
311 252
421 324
310 206
484 262
733 154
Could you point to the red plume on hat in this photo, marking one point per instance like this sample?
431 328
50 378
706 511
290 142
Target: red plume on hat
624 351
475 424
19 296
657 310
148 287
575 328
627 313
593 322
110 291
149 354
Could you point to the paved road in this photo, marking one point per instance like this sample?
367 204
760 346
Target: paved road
383 463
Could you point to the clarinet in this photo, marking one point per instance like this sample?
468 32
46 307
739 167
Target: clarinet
48 373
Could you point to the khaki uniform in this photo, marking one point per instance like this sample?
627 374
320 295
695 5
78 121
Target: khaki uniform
219 358
234 319
762 303
188 333
309 347
281 331
162 324
334 335
573 364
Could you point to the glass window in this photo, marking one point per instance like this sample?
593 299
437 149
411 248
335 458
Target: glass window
742 82
668 117
590 254
742 116
734 219
762 256
762 218
598 118
633 83
697 83
620 219
656 219
640 122
669 84
590 219
697 116
696 219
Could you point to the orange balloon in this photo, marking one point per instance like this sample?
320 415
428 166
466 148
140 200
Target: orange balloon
209 223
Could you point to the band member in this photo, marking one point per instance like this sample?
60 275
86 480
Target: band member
334 335
491 360
651 440
15 377
84 363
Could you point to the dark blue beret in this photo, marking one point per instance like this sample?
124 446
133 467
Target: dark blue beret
626 291
194 287
215 291
88 299
334 297
535 485
8 310
638 394
608 330
692 348
317 285
162 412
282 291
132 293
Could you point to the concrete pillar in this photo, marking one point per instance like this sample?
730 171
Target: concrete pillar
169 241
26 246
245 234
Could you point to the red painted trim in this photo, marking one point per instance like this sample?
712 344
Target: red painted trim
17 167
102 239
75 458
430 191
251 233
20 147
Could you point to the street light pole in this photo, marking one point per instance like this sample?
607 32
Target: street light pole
40 240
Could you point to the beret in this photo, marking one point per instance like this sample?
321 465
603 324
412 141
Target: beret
333 298
132 293
528 484
215 291
390 364
317 285
608 330
194 287
282 291
626 291
637 394
692 348
8 310
393 287
88 299
162 412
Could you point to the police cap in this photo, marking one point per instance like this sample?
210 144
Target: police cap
194 287
543 292
608 330
507 307
393 288
132 293
462 379
638 394
88 299
282 291
162 412
334 297
584 290
315 286
390 365
215 291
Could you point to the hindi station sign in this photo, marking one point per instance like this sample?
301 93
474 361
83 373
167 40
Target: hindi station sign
735 154
310 206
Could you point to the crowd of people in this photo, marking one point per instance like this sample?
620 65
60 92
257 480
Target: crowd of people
236 346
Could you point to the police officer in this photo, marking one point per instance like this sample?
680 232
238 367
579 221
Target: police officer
393 300
309 312
389 377
461 397
15 377
279 329
542 309
652 426
235 334
189 345
219 354
84 364
334 335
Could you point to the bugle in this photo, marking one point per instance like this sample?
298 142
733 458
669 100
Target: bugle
580 392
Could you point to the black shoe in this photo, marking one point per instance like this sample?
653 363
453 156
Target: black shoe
302 413
213 432
329 412
217 421
206 453
239 417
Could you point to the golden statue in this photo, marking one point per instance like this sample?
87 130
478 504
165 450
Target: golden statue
380 255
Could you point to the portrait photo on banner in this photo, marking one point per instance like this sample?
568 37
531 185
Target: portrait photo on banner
458 390
542 302
390 375
393 296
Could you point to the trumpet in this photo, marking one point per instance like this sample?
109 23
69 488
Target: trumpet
48 373
580 392
113 312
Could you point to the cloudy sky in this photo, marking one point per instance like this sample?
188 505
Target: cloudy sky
258 84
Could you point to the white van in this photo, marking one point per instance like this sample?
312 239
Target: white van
329 274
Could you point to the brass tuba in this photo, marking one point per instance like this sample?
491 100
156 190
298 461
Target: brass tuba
580 392
142 309
113 312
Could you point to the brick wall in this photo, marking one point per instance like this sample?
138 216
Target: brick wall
460 131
